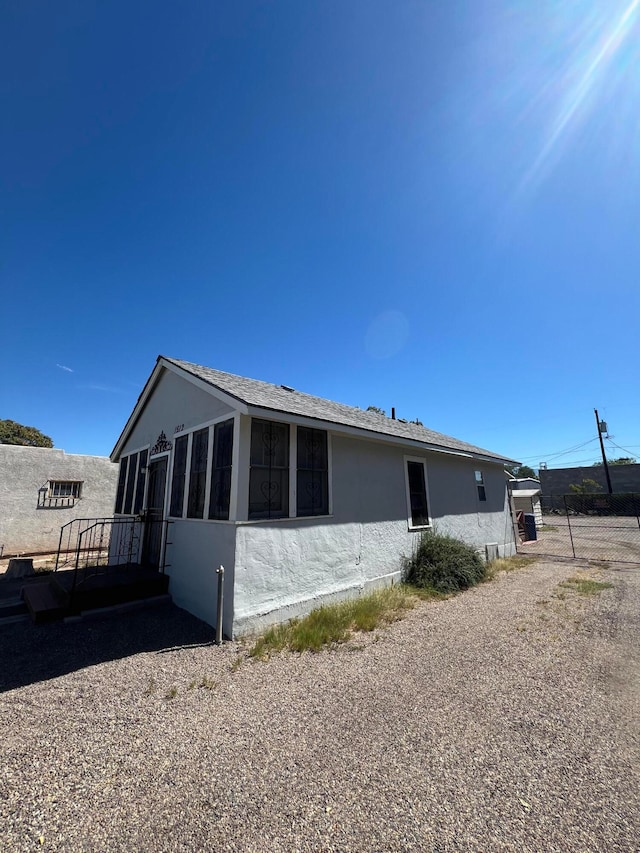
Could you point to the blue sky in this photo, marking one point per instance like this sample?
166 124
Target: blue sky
433 206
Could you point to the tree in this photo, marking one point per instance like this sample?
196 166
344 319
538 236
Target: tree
12 432
376 410
521 471
622 460
586 487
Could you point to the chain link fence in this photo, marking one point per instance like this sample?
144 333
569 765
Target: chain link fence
589 526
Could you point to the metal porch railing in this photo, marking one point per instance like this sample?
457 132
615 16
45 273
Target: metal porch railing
107 546
69 544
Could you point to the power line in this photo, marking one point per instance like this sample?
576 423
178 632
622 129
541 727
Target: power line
587 461
578 463
557 454
626 450
571 450
560 452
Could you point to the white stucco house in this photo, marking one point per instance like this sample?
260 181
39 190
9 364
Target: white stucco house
301 499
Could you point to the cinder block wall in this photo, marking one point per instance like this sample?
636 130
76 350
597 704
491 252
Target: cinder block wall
624 478
28 527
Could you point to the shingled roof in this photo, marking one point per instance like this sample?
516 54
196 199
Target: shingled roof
281 399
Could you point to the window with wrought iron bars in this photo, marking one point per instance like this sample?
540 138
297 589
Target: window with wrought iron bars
65 489
269 470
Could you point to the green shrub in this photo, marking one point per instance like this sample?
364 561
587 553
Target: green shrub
444 564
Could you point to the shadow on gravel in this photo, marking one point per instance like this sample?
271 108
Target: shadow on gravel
32 653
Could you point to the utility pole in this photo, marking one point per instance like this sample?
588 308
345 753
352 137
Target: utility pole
602 427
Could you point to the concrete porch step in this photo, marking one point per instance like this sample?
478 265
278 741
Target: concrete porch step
13 610
118 609
44 602
12 607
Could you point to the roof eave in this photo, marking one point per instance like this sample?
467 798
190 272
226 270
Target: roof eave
137 410
387 438
233 401
163 363
241 405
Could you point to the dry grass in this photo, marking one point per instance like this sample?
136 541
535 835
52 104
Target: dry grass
585 586
508 564
338 622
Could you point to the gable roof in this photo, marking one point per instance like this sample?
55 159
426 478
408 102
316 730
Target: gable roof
252 396
284 400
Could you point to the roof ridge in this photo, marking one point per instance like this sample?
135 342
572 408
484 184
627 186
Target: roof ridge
280 398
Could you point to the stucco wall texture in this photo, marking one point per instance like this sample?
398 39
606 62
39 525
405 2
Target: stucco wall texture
173 403
29 528
283 568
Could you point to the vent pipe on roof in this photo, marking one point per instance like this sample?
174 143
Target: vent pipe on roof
393 413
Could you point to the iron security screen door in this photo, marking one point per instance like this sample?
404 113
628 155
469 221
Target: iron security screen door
155 510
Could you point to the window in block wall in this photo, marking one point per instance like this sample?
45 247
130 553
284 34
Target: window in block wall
65 489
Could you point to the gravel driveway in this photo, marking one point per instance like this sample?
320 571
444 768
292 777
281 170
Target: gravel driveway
503 719
587 537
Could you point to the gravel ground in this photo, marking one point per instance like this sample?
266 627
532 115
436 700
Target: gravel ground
592 538
503 719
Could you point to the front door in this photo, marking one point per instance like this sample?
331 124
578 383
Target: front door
152 543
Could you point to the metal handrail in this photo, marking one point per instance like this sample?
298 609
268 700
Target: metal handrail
68 527
104 543
98 546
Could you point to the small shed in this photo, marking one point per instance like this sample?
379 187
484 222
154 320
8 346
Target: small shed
528 501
